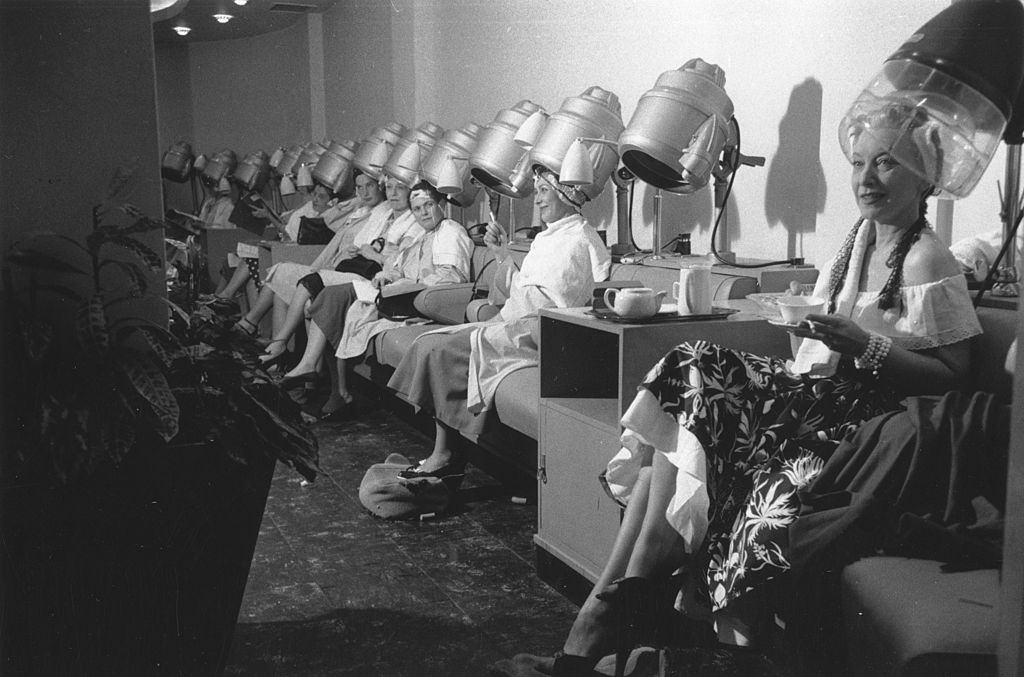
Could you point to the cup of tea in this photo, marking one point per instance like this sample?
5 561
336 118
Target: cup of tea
795 308
693 290
635 303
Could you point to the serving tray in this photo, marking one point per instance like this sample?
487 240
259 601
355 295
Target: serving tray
669 316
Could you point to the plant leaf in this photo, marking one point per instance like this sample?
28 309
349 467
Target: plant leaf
91 327
39 233
151 384
163 343
37 338
152 260
61 290
143 224
41 261
137 283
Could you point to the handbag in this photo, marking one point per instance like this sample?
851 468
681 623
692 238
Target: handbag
243 217
313 230
360 265
397 307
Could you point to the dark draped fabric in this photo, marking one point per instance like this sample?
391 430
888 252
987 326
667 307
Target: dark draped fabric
927 482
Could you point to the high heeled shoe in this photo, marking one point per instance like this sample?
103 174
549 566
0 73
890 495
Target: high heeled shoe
451 473
292 382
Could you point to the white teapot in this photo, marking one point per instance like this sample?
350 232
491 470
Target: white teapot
635 303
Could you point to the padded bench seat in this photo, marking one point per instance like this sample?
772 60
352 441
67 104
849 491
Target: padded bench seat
905 617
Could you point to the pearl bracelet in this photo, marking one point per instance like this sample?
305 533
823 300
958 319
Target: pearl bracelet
874 353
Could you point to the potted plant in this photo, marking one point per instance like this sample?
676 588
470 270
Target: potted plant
135 465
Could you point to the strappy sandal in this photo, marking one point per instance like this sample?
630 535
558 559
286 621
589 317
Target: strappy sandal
249 331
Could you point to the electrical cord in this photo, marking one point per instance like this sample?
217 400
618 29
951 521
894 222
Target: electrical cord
632 237
725 201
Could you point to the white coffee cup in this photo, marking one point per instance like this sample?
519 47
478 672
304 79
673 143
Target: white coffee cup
693 290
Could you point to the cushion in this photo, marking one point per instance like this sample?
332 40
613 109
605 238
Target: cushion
906 617
517 400
445 303
392 345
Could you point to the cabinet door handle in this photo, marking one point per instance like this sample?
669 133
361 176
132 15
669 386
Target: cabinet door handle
542 469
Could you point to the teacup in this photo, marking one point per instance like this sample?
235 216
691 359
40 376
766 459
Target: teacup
634 303
796 308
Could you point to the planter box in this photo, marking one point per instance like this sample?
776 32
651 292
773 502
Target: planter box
136 571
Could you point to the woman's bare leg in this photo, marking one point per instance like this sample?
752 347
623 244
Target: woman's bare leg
659 548
340 396
442 453
310 361
237 281
293 316
588 635
263 303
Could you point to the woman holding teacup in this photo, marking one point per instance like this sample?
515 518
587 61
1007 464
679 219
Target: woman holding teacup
717 441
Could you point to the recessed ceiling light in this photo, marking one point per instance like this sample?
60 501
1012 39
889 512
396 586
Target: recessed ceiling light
182 30
223 18
241 3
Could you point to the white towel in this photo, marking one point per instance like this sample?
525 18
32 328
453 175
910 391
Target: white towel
814 357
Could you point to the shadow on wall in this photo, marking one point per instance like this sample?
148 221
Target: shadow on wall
690 213
795 191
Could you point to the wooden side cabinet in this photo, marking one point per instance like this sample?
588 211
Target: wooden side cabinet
589 372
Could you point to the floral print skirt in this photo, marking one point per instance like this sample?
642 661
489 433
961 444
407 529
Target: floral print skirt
766 433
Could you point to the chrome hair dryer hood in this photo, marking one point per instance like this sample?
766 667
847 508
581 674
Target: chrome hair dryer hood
376 147
596 114
407 155
679 128
334 168
220 166
177 162
253 171
289 160
498 162
455 146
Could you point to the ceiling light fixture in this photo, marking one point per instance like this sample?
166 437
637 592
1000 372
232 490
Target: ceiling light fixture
223 18
182 30
241 3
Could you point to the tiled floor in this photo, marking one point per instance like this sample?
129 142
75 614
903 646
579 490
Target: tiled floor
335 591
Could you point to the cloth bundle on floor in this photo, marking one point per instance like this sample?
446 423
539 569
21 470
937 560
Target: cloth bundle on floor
388 496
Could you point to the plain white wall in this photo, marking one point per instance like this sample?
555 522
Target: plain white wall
792 69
